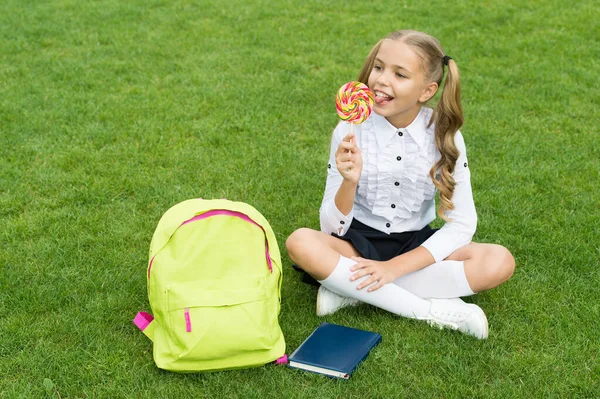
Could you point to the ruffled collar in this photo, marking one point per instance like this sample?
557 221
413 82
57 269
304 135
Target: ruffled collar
417 129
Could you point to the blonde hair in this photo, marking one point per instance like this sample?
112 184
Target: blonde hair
447 116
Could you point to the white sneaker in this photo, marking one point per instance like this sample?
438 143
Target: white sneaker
329 302
458 315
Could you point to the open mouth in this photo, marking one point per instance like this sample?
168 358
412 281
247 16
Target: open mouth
382 98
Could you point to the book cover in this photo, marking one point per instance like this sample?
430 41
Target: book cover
334 350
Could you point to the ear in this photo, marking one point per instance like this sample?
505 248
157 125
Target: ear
428 92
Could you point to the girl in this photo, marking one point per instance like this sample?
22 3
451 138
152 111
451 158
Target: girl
375 243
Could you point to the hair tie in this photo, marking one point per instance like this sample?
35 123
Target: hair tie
446 59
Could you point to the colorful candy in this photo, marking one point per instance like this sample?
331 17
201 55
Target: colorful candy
354 102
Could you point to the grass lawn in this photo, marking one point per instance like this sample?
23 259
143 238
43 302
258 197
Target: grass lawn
113 111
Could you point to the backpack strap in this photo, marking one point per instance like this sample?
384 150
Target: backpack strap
145 322
282 360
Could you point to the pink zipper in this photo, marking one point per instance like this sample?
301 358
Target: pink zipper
225 212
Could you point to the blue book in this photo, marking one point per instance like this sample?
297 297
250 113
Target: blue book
334 350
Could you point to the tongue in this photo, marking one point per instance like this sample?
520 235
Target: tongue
382 100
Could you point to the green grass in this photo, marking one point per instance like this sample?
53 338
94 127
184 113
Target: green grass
113 111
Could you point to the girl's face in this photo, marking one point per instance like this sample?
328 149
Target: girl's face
399 84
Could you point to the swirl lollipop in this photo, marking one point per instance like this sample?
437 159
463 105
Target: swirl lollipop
354 103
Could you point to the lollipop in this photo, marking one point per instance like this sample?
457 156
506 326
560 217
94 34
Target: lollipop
354 102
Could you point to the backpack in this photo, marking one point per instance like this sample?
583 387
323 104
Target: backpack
214 284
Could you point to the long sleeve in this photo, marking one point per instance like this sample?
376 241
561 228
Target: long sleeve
460 228
331 219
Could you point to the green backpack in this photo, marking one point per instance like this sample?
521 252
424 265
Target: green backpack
214 286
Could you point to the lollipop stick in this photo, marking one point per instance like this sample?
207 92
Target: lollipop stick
352 141
352 132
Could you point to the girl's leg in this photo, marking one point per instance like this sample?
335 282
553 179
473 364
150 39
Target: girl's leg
326 258
445 279
390 297
474 267
316 252
486 265
313 251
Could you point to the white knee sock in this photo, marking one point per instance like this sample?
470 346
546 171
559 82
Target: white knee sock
390 297
445 279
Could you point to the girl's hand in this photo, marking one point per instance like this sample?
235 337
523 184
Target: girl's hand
380 273
348 159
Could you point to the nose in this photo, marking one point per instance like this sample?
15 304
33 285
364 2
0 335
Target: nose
382 79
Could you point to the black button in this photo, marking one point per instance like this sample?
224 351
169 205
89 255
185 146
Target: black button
400 134
396 184
328 166
398 158
387 225
465 164
342 222
393 205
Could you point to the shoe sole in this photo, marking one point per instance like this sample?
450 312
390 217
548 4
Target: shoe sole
483 319
320 314
485 323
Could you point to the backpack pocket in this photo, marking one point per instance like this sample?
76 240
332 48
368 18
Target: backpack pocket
217 324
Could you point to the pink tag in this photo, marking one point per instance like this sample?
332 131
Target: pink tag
188 322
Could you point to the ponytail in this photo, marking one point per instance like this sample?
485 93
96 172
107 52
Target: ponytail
447 118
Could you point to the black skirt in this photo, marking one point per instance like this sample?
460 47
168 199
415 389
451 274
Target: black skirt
376 245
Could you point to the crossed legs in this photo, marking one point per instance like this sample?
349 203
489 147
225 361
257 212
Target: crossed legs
485 265
474 267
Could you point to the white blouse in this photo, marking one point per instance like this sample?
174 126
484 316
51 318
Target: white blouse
395 193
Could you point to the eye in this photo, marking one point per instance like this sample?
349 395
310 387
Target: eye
398 74
377 67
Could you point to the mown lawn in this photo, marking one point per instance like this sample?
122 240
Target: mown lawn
111 112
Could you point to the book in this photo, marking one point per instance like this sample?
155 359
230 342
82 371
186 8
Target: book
334 350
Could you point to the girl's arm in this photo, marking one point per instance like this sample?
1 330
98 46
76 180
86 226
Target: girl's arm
411 261
344 198
336 212
460 228
386 272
